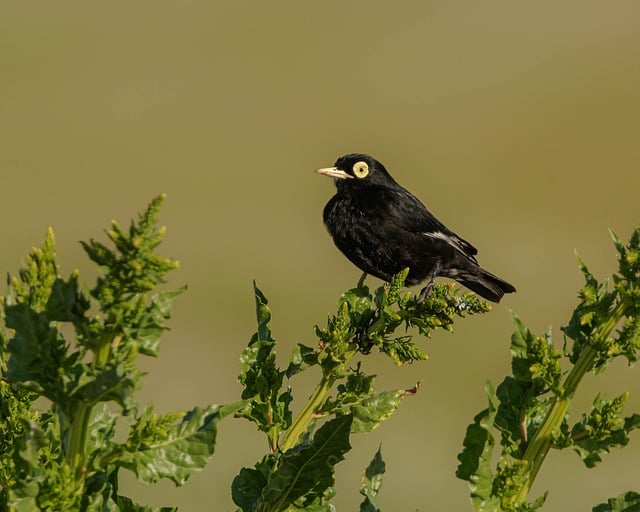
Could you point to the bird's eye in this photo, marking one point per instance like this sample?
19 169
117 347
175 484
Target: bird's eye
360 169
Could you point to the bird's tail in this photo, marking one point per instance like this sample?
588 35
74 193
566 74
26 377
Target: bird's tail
485 284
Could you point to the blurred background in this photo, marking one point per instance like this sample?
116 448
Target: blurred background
517 124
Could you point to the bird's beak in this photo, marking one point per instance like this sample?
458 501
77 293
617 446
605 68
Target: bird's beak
334 172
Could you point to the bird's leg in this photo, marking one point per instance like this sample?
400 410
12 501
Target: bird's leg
426 291
361 280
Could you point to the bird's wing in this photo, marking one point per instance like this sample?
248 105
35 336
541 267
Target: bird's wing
408 212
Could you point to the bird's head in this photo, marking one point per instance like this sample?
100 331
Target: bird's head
358 170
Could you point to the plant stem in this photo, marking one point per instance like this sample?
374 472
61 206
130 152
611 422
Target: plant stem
79 422
540 444
78 440
301 423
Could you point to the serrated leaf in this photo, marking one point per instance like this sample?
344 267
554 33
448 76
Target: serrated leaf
625 502
307 469
66 302
475 458
38 351
186 448
267 405
148 328
371 483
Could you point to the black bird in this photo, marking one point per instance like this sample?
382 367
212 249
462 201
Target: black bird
383 228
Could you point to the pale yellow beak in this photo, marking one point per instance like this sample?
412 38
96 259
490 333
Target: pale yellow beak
334 172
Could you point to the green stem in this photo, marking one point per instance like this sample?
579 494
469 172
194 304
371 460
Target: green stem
301 423
540 444
78 440
79 422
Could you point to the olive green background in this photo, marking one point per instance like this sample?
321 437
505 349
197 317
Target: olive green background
517 123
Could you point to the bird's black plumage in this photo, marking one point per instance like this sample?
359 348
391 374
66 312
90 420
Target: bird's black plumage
382 228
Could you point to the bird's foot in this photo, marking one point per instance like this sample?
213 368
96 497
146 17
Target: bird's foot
426 291
361 280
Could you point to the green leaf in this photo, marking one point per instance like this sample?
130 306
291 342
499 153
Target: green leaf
147 328
24 492
263 316
625 502
111 383
603 429
302 357
99 493
101 431
307 471
320 503
247 487
369 409
359 303
267 405
128 505
66 302
38 352
44 481
174 452
371 483
475 458
372 410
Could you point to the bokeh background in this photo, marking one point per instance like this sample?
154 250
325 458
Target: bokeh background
517 123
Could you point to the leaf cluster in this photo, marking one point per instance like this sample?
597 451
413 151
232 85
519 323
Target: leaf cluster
298 470
529 410
79 351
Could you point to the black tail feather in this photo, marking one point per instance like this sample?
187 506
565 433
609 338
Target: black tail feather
485 284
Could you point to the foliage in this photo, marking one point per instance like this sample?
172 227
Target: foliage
529 410
68 363
297 471
65 456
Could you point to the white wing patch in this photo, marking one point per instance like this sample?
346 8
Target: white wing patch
454 241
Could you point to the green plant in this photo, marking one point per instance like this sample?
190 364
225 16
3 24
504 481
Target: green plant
297 471
530 409
69 376
64 456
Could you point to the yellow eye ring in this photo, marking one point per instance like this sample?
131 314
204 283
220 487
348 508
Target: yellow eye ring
360 169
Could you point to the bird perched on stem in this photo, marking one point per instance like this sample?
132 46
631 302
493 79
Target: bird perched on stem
383 228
